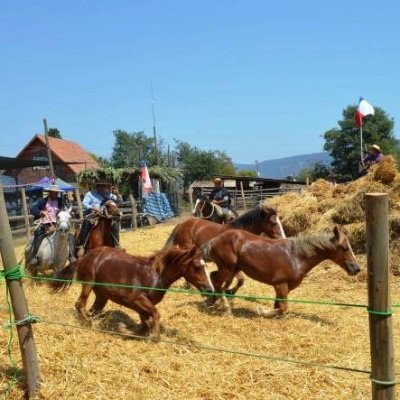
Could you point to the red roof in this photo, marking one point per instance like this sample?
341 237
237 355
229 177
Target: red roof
68 152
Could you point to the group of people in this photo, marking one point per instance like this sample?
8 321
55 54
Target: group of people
46 209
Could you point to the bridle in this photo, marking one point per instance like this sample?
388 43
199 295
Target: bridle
202 208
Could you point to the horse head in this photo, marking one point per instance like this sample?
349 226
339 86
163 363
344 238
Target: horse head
199 206
342 253
63 220
272 224
196 272
111 209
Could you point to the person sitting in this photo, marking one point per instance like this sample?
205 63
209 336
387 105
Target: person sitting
92 203
221 198
45 210
374 157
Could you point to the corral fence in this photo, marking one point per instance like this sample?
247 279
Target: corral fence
382 374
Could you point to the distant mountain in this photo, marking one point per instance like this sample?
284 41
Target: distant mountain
288 166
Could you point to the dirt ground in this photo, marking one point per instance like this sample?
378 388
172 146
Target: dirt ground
78 362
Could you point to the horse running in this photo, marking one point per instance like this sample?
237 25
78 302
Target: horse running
101 232
114 266
280 263
195 231
54 250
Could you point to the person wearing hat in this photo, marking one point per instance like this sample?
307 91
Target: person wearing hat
221 198
374 157
45 210
92 203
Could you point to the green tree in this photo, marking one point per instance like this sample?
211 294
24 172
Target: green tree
343 143
54 132
130 148
247 172
201 164
316 171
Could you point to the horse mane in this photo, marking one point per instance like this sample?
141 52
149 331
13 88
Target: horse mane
308 245
162 258
250 217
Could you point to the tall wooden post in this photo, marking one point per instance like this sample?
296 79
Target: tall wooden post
79 202
190 191
380 316
134 212
46 135
243 199
20 309
26 214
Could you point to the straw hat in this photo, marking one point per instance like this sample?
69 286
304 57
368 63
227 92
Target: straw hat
217 180
376 147
54 188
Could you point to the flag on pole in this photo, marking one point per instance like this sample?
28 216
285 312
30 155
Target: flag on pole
364 109
145 178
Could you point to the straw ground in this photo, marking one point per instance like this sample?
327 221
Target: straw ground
87 364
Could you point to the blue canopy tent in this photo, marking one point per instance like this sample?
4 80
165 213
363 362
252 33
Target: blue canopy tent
45 183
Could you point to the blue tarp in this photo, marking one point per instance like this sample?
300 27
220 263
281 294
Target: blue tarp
157 205
45 183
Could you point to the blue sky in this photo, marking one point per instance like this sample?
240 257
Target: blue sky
258 79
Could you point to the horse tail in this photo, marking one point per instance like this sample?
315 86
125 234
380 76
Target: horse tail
171 238
63 278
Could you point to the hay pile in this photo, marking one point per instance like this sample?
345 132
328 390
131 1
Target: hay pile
324 205
85 364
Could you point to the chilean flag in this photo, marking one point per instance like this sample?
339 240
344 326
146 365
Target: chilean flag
145 177
364 109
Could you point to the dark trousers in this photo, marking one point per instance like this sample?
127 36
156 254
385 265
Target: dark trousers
38 237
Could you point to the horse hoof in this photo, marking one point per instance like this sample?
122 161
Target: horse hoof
123 329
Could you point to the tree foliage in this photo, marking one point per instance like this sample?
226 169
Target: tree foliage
54 132
199 164
343 143
316 171
247 172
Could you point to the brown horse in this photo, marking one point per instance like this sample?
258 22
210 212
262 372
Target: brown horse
205 209
101 232
113 266
194 231
281 263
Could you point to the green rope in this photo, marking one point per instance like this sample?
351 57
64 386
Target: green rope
185 291
11 274
383 383
28 319
221 350
381 313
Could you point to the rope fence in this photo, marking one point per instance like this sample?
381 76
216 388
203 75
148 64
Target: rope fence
16 273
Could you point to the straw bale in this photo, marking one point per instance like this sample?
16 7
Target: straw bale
296 222
356 235
386 170
321 188
348 211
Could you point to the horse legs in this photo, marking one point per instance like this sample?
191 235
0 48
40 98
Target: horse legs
220 279
240 282
80 305
98 305
280 306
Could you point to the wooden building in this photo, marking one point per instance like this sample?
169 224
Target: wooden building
69 158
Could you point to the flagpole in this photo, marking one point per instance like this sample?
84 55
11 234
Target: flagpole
361 142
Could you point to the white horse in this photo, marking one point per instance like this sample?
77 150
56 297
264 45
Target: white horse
54 250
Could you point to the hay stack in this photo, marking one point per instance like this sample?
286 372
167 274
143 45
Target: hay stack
386 170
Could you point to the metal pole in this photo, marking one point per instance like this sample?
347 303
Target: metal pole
154 124
20 309
361 142
379 305
46 135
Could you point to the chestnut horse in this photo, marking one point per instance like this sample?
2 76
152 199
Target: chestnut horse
113 266
194 231
205 209
281 263
101 233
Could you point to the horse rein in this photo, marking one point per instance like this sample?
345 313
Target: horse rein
212 210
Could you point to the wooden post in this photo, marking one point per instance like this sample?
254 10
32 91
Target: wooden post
26 214
46 135
379 306
79 202
191 198
243 199
134 211
20 309
307 182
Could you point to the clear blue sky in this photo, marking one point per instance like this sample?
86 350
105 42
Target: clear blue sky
258 79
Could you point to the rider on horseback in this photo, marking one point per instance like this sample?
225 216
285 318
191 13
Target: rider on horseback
46 210
221 198
91 203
